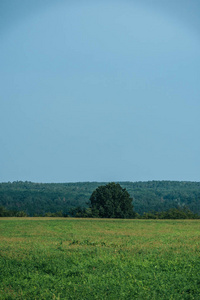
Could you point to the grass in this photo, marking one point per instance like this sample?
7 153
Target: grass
43 258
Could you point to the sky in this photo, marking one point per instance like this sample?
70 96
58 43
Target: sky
99 90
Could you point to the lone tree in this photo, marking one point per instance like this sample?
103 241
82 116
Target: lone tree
111 201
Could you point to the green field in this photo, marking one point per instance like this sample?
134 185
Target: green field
43 258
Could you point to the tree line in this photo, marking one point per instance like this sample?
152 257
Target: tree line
112 201
79 212
51 198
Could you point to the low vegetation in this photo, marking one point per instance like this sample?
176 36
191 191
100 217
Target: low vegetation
78 212
55 258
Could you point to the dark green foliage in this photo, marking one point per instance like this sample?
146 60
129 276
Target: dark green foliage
40 198
78 212
172 213
11 213
162 195
111 201
58 214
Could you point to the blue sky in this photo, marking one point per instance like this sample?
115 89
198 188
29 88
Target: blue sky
99 90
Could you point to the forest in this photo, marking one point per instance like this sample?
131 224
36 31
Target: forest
45 199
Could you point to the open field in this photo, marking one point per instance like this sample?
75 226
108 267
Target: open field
43 258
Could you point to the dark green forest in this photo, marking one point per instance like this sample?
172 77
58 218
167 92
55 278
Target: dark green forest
45 198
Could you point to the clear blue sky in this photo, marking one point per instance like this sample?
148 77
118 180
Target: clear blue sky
99 90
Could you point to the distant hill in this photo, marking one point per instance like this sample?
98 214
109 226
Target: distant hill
40 198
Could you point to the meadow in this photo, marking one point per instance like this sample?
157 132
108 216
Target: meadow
65 258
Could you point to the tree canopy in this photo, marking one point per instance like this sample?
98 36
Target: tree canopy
111 201
152 196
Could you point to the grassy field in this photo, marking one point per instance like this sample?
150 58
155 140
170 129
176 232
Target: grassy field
99 259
